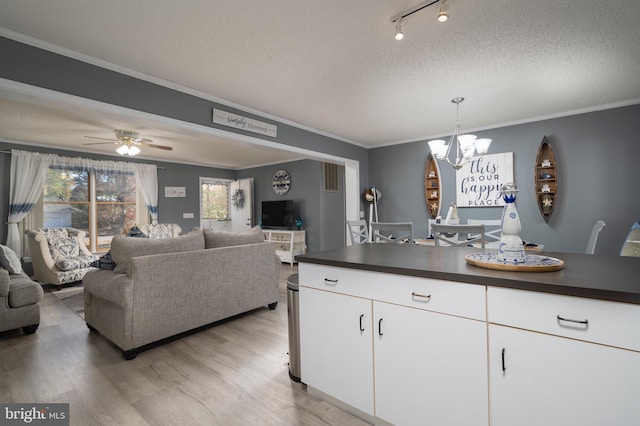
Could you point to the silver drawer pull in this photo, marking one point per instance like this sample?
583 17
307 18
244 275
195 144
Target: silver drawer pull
423 296
585 322
327 281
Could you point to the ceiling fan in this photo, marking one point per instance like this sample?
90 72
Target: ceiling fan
129 141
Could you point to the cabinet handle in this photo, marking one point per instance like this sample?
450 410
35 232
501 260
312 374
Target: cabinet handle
380 327
504 367
327 281
585 322
424 296
361 327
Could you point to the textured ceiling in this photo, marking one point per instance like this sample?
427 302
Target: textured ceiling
335 66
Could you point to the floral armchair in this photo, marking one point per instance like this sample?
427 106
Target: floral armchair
161 230
59 255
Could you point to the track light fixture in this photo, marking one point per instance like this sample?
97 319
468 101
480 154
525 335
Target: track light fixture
444 12
399 35
399 18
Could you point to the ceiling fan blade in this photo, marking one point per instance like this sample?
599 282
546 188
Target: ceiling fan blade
152 145
104 139
101 143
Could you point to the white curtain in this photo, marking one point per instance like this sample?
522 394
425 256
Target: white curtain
147 184
28 174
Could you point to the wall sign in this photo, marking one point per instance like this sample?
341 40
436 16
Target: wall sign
175 191
479 181
244 123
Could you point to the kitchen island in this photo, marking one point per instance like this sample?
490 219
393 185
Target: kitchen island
407 334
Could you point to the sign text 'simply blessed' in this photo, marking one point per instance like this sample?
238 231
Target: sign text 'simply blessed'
243 123
479 181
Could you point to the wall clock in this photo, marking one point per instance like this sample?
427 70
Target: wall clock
281 182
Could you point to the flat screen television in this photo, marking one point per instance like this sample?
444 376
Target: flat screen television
277 214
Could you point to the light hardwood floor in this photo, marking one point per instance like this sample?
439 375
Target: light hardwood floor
231 373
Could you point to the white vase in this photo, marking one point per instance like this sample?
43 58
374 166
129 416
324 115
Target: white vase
511 249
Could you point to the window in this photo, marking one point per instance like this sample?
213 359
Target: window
101 204
214 201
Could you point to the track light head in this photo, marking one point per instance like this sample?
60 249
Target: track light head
444 12
399 34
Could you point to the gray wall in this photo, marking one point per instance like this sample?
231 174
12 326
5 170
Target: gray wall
322 212
598 176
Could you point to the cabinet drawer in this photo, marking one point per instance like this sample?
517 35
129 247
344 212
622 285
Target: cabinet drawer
461 299
598 321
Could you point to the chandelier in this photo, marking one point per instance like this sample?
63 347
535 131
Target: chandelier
466 145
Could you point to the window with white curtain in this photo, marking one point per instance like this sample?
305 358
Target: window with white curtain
102 203
103 198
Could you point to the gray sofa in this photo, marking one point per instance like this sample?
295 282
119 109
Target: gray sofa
164 287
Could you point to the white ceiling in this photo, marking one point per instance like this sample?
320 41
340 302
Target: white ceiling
331 65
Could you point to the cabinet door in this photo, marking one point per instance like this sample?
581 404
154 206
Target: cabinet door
336 353
549 380
430 368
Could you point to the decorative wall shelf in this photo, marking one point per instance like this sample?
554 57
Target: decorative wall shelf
432 187
546 179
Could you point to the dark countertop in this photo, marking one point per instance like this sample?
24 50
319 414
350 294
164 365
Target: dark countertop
615 278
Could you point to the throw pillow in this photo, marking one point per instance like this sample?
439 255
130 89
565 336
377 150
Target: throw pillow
64 248
10 260
213 239
104 262
124 248
136 233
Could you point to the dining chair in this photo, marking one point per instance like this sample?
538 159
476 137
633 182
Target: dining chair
593 239
382 232
358 231
458 235
492 228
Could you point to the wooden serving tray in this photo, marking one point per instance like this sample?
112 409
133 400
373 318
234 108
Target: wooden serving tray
532 263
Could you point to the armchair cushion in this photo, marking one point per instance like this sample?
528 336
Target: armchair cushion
77 262
161 230
63 248
9 260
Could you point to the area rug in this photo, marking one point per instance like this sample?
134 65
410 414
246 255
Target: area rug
72 297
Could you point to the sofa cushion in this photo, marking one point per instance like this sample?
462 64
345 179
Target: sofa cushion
23 291
77 262
64 248
9 260
213 239
124 248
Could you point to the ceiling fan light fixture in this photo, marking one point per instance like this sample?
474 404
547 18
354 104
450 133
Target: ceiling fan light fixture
122 150
133 150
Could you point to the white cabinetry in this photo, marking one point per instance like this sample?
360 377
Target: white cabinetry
423 340
289 244
561 360
430 368
335 340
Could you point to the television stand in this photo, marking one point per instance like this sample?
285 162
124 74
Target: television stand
289 244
